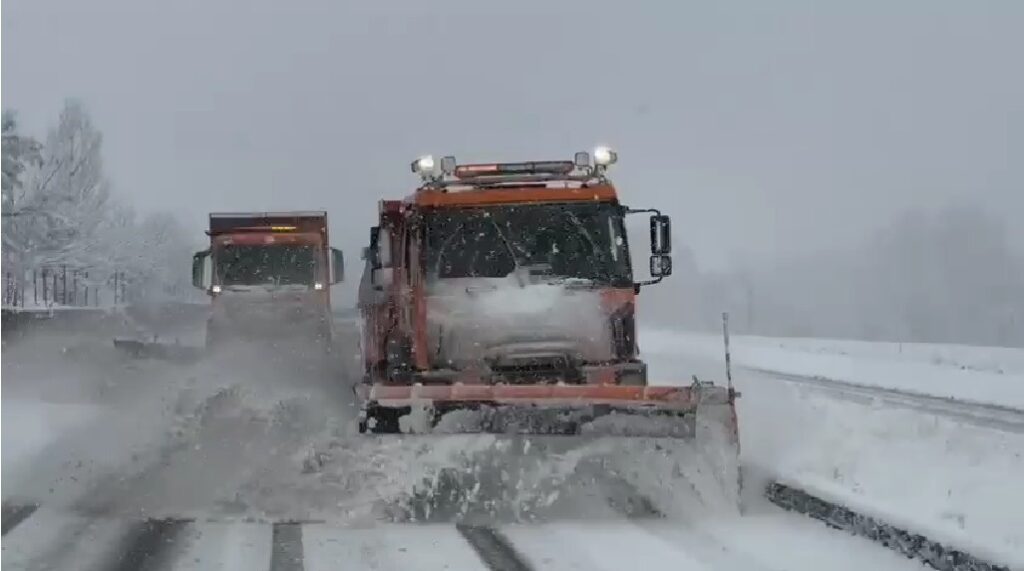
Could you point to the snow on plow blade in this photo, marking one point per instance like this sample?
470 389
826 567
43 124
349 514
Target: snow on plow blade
650 411
537 452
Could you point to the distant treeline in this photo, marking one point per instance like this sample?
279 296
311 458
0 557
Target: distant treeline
945 277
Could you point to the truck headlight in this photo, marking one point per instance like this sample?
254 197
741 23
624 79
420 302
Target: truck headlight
604 156
318 286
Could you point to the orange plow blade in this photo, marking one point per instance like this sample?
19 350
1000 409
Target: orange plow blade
537 409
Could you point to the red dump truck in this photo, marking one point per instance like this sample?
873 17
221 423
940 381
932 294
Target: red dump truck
268 275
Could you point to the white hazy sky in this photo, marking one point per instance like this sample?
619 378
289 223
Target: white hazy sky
764 128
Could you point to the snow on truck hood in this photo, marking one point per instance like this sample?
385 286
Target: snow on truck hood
483 318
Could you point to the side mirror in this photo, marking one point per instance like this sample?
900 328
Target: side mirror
372 252
337 266
661 266
199 274
661 234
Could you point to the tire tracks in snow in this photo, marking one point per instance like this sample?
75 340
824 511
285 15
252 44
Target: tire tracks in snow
496 551
286 551
148 546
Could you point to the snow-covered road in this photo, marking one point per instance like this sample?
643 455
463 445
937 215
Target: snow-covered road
144 465
766 539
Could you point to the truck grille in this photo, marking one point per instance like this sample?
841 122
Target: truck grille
549 369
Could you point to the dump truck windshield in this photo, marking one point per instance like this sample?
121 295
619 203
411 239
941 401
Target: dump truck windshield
583 241
272 264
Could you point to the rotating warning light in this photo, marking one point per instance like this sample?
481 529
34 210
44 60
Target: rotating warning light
604 156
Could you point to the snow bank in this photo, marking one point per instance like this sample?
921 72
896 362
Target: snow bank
937 476
980 374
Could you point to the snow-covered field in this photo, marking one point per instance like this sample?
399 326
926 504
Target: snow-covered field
979 374
951 480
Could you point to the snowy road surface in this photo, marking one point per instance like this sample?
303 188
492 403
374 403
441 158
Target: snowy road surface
765 540
248 464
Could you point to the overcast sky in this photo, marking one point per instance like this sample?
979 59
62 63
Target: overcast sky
763 128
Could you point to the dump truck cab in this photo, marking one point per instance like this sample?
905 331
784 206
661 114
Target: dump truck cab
268 275
506 273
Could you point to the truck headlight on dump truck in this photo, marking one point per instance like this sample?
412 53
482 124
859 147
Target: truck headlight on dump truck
215 288
604 156
318 286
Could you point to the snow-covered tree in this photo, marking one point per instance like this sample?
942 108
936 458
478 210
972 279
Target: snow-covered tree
62 199
58 211
74 189
20 152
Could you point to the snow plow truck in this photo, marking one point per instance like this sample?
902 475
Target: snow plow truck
500 298
268 275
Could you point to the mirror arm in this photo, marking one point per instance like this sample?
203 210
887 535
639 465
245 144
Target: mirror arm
643 210
638 285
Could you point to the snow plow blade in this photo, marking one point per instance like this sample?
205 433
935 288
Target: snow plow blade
614 410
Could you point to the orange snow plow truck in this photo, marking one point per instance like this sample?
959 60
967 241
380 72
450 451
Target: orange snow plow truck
500 298
268 275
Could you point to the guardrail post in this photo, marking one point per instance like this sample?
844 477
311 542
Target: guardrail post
728 357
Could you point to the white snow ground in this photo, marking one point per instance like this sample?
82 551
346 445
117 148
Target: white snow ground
951 480
979 374
150 440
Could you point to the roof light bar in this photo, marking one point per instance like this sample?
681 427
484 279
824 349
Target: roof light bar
583 166
543 167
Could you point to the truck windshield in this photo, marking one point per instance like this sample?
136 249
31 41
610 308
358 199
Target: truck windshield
271 264
584 241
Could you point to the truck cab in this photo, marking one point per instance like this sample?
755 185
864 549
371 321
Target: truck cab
506 273
268 275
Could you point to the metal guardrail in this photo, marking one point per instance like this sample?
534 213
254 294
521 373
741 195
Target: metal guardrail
62 286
